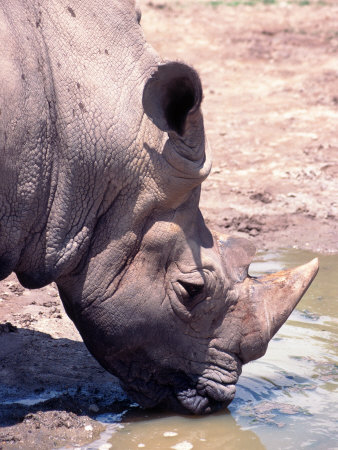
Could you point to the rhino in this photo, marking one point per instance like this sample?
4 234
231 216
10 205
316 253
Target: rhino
103 152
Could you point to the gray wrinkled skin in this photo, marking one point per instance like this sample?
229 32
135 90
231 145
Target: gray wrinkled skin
102 153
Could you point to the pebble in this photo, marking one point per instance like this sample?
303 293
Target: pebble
93 408
88 428
184 445
169 433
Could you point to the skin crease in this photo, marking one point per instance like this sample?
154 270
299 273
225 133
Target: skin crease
103 152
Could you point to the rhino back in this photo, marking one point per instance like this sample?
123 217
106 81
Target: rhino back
73 128
26 132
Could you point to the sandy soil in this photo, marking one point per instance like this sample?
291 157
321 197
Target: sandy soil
270 78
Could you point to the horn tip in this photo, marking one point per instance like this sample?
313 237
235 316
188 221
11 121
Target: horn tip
314 266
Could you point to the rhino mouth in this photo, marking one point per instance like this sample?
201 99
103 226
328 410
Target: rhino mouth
207 400
184 394
213 391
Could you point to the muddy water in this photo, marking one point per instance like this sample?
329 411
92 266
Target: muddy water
286 400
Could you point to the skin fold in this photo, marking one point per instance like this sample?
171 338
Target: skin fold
102 156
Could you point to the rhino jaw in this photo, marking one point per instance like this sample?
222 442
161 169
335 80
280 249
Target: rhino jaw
271 299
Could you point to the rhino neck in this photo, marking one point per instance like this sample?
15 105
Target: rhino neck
83 161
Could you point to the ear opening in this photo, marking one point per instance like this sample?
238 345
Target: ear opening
173 93
179 99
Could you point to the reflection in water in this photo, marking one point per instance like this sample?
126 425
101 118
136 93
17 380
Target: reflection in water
286 400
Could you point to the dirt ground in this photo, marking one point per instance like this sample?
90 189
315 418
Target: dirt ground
270 76
270 79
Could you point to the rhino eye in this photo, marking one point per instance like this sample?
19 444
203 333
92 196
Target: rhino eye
192 289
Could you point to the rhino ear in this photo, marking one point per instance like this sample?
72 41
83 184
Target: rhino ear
237 253
172 97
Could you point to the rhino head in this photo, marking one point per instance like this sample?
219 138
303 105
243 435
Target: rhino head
177 316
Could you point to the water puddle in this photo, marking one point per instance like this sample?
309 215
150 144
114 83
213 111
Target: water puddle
286 400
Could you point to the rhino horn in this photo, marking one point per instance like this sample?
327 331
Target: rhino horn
271 299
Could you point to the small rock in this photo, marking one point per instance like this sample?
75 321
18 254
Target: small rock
7 328
216 170
16 288
169 434
184 445
93 408
49 304
264 197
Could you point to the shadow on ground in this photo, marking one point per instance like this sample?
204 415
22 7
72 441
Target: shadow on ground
40 373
